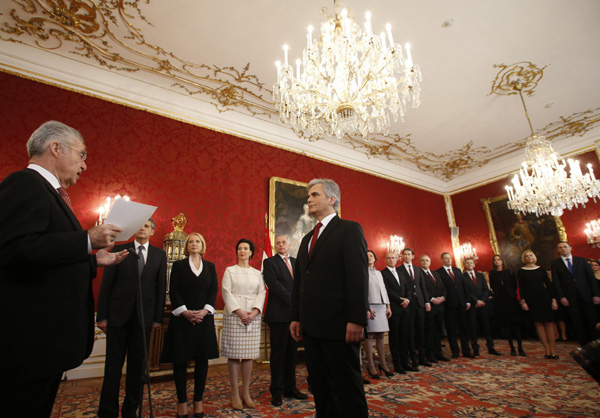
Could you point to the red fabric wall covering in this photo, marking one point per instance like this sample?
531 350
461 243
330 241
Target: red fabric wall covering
220 182
470 217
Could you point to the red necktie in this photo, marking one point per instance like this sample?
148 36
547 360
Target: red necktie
431 276
451 274
289 265
474 279
314 238
65 196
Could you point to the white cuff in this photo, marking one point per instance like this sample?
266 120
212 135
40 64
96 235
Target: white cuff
210 309
179 310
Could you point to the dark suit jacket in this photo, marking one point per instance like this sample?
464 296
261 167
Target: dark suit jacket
280 283
582 280
396 291
458 292
119 288
481 290
418 287
331 288
435 289
46 299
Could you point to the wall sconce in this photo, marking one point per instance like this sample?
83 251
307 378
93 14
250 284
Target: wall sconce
592 231
104 210
396 244
468 251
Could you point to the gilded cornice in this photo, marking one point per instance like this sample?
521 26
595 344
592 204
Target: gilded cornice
110 34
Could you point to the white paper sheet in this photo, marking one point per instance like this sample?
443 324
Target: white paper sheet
130 216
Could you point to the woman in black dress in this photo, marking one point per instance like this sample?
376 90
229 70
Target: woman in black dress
191 334
506 304
537 298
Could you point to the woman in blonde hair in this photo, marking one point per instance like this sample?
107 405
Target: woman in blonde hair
537 298
191 333
244 294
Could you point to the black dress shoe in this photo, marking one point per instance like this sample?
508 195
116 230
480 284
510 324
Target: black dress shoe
423 362
522 353
432 360
475 353
493 352
198 415
276 399
388 373
469 355
409 368
513 352
366 382
399 370
443 358
454 355
296 394
373 376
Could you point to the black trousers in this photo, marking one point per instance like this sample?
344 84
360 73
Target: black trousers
180 376
584 317
284 350
416 342
120 342
398 338
434 324
479 319
335 377
36 396
456 321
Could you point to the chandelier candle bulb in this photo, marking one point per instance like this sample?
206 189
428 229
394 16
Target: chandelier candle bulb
285 50
409 61
388 28
368 26
383 47
309 35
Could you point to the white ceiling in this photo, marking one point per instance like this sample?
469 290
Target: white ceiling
153 54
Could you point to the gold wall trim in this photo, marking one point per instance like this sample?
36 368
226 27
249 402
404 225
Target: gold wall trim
452 224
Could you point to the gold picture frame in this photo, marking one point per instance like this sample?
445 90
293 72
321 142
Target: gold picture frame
512 233
288 212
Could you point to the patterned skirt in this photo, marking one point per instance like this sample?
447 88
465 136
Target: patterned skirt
239 341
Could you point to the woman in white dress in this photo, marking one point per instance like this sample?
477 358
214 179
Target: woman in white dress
244 293
377 325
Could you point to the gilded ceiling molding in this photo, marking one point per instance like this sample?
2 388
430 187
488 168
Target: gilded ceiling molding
576 124
108 32
524 72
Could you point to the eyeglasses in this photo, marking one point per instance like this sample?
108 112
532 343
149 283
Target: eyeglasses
82 153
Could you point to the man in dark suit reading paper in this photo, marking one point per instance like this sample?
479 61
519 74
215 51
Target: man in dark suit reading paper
330 304
46 271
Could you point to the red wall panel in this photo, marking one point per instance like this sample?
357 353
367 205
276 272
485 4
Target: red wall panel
220 182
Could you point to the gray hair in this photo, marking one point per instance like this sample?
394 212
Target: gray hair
330 188
51 131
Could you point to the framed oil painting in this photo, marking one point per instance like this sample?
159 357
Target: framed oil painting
512 233
288 211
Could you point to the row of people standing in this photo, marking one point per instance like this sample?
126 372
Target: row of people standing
421 303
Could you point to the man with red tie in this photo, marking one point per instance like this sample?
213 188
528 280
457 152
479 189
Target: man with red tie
434 319
330 304
458 302
478 315
278 272
46 271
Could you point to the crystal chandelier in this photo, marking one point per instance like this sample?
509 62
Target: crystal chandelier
592 231
546 184
349 81
466 250
396 244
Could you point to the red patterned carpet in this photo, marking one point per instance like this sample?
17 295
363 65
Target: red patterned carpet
489 386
